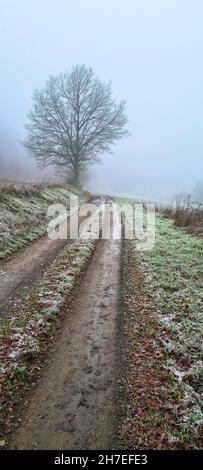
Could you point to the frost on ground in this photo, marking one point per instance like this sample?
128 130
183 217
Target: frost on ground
23 213
32 320
162 388
177 274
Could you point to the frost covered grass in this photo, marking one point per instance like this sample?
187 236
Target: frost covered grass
174 280
32 316
23 213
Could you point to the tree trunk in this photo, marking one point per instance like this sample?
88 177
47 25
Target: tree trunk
76 176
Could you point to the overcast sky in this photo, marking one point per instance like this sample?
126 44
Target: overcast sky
151 50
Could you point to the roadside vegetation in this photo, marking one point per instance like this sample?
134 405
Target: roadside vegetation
187 214
23 212
161 391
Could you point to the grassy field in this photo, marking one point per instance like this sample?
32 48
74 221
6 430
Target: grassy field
163 332
23 212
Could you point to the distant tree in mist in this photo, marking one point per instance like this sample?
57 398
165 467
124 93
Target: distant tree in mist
73 121
197 192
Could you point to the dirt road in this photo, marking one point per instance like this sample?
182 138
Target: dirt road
72 406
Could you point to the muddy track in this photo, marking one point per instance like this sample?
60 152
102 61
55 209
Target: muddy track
72 407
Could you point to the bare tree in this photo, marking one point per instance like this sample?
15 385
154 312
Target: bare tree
73 121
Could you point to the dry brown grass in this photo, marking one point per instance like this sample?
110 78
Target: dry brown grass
187 214
18 189
26 189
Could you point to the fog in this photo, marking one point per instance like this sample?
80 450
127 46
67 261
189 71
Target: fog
151 50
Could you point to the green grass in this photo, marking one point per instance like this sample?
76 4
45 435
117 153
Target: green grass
174 273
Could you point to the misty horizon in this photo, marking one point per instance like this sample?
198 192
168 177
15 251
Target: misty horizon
152 55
